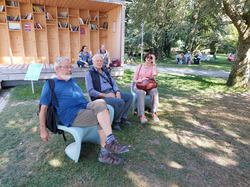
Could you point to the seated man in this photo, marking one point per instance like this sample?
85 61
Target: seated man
100 84
105 55
74 110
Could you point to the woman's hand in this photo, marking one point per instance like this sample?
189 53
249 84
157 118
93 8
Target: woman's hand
153 58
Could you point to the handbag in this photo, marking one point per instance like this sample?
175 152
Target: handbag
146 84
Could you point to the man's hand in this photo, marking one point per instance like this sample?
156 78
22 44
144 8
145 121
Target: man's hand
110 95
118 95
45 135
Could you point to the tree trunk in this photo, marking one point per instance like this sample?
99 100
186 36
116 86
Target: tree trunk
239 75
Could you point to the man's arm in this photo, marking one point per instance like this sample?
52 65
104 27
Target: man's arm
89 86
42 119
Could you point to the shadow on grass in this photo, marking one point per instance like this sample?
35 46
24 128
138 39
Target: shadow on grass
202 140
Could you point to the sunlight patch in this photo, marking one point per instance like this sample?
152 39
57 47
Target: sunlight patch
243 141
55 162
175 165
138 180
231 133
11 122
34 129
159 129
221 160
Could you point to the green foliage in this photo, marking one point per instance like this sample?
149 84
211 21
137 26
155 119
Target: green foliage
198 24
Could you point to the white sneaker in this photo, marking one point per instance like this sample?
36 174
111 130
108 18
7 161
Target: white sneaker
155 118
143 119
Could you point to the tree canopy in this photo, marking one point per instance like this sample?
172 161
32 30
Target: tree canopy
220 25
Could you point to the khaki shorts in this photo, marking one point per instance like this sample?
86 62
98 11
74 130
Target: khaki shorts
87 117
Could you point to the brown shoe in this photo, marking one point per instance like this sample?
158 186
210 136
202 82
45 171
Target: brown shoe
116 147
110 159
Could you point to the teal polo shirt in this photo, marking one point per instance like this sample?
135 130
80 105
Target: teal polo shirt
70 99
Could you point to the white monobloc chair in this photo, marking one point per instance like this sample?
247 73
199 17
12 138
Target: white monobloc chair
147 99
82 134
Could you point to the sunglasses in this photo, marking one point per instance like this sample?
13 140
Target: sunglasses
150 57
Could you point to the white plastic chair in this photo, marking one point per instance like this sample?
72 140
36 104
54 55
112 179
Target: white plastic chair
82 134
147 99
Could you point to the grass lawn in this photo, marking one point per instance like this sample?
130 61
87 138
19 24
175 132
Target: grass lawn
221 64
202 140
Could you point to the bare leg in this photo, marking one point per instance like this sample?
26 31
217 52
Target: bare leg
104 121
103 137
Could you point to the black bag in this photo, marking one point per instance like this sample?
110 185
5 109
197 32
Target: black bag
51 116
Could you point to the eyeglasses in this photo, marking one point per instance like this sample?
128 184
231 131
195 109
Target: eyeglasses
67 67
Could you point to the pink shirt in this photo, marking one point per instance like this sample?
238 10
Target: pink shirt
144 72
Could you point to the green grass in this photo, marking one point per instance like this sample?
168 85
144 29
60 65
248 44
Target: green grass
202 140
221 64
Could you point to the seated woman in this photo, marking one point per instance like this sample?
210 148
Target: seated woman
85 58
180 58
145 71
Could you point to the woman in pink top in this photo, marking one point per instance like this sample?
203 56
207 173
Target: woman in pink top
145 71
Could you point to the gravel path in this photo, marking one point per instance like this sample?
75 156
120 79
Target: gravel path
214 73
4 97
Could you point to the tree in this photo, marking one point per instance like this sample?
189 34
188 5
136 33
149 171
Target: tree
162 20
239 12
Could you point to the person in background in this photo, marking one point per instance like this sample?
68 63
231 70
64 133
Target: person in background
100 84
197 57
179 58
85 58
105 55
74 110
188 58
145 71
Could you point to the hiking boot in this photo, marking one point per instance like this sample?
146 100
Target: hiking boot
110 159
155 118
116 147
143 119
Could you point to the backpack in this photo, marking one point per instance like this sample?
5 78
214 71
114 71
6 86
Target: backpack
115 62
51 116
